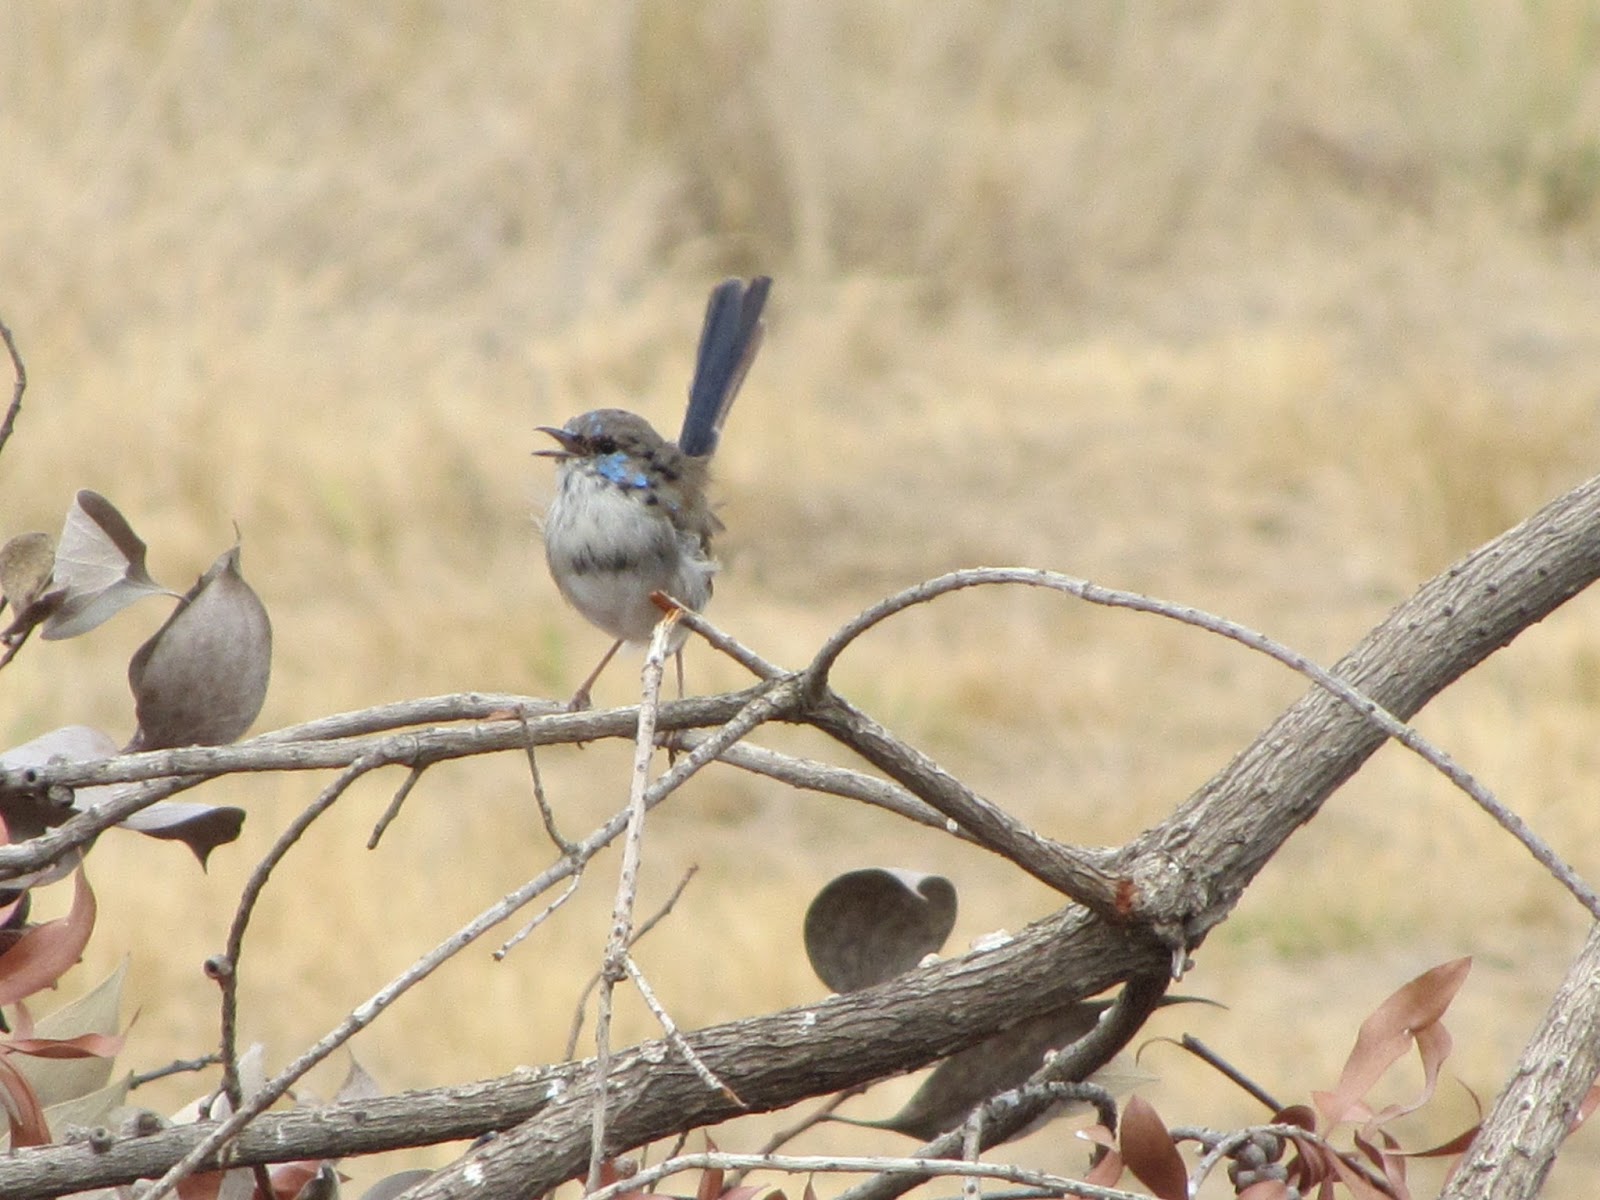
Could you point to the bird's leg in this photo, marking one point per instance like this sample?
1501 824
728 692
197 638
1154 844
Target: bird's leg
580 698
672 738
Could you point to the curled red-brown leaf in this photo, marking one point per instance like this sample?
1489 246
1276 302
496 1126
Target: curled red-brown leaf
24 1113
85 1045
1408 1017
1359 1185
1386 1159
46 952
1150 1153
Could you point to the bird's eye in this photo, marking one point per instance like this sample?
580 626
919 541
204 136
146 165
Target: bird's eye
603 444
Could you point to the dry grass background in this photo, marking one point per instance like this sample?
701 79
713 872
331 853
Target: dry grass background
1274 310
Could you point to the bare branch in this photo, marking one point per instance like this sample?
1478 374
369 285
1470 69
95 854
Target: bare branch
178 1067
674 1036
1187 873
1517 1144
540 917
546 813
613 969
812 776
18 386
1075 873
919 1168
594 980
229 977
393 810
425 710
272 752
1084 887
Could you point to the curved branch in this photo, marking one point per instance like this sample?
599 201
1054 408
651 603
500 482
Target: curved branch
769 1061
1071 873
1186 874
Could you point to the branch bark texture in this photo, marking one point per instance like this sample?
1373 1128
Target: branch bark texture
1173 884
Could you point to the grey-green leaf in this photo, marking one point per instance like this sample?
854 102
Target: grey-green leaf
391 1186
201 827
964 1080
202 678
60 1080
99 567
870 925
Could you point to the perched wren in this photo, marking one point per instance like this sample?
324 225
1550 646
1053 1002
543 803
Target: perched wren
630 514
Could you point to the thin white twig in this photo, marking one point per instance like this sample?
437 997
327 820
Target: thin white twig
425 710
540 917
674 1037
393 811
614 969
816 1164
972 1150
546 813
232 963
810 775
594 980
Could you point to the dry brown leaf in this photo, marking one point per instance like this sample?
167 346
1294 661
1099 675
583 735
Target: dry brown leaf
46 952
1390 1031
1150 1153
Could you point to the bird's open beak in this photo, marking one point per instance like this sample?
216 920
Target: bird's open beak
568 442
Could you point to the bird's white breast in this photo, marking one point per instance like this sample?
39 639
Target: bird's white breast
608 550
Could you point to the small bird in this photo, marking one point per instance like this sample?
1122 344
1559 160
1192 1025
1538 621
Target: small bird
630 514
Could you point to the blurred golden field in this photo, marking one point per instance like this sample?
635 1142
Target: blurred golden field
1275 310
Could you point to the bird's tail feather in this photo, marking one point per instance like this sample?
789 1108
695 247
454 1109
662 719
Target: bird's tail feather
729 340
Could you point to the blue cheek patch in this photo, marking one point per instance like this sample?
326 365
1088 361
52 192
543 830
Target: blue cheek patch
615 467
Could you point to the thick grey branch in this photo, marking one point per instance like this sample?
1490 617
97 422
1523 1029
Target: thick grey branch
770 1062
337 1130
1517 1145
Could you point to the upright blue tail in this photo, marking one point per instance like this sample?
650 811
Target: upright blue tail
729 340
